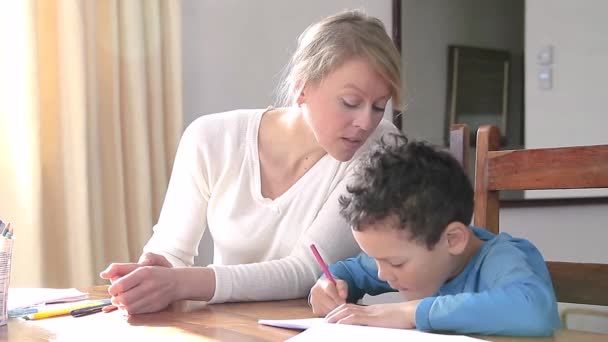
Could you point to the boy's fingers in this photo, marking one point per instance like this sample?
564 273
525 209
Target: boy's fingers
336 314
337 292
332 292
319 308
342 288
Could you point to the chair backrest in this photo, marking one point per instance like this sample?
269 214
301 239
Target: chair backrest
547 168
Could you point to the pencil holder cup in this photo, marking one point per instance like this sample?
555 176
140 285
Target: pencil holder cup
6 255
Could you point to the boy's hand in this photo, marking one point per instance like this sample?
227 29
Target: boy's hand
393 315
325 296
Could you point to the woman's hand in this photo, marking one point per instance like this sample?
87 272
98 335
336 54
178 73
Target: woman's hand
325 296
151 259
393 315
118 270
145 289
126 294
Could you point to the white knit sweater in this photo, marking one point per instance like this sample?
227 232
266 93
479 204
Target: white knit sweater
261 246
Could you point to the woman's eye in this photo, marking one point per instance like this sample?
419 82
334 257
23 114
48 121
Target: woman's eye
397 265
349 105
378 109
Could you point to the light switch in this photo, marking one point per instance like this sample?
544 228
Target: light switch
545 55
545 78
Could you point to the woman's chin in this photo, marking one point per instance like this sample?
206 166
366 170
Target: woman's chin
342 155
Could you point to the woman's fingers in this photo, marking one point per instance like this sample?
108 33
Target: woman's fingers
129 281
151 259
117 270
109 308
147 289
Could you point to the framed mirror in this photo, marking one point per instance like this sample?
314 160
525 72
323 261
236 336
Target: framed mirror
478 89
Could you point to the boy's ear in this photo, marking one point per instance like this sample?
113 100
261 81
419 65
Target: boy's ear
457 237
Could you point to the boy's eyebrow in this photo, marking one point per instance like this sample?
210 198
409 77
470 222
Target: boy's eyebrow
387 259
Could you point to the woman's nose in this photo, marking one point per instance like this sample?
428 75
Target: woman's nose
364 119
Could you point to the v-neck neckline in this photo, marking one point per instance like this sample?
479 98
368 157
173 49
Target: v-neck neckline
253 139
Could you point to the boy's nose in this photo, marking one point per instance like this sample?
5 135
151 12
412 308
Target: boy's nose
385 275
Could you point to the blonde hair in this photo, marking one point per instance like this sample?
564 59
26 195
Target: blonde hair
326 45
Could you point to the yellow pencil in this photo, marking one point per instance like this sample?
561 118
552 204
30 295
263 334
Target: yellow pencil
65 310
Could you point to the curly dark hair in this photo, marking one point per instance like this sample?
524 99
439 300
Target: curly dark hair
422 186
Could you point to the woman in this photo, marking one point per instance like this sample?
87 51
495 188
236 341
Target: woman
266 182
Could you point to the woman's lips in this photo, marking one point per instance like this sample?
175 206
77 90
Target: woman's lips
354 142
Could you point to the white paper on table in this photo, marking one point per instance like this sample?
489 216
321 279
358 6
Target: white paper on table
21 297
354 333
300 324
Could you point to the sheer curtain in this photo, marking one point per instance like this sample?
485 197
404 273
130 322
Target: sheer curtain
90 117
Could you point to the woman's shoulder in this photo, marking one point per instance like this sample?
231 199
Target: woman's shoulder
223 132
219 123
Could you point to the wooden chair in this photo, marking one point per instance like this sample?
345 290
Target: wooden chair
548 168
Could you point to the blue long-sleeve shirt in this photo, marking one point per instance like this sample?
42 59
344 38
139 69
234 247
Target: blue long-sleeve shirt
505 289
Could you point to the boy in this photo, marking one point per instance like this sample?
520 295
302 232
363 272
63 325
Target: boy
409 206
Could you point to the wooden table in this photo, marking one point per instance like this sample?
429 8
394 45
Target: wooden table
193 321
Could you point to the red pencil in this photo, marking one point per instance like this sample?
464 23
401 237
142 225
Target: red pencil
322 263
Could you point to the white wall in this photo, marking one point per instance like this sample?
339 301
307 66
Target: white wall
575 108
574 111
428 27
234 52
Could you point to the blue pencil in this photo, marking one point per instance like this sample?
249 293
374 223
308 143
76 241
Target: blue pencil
21 312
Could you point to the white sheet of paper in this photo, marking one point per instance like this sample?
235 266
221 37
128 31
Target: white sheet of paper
21 297
318 330
354 333
300 324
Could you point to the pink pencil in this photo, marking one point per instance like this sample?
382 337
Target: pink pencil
322 263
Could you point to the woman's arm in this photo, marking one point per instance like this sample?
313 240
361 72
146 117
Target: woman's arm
182 219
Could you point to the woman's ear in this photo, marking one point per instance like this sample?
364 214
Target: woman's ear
301 98
457 236
299 89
